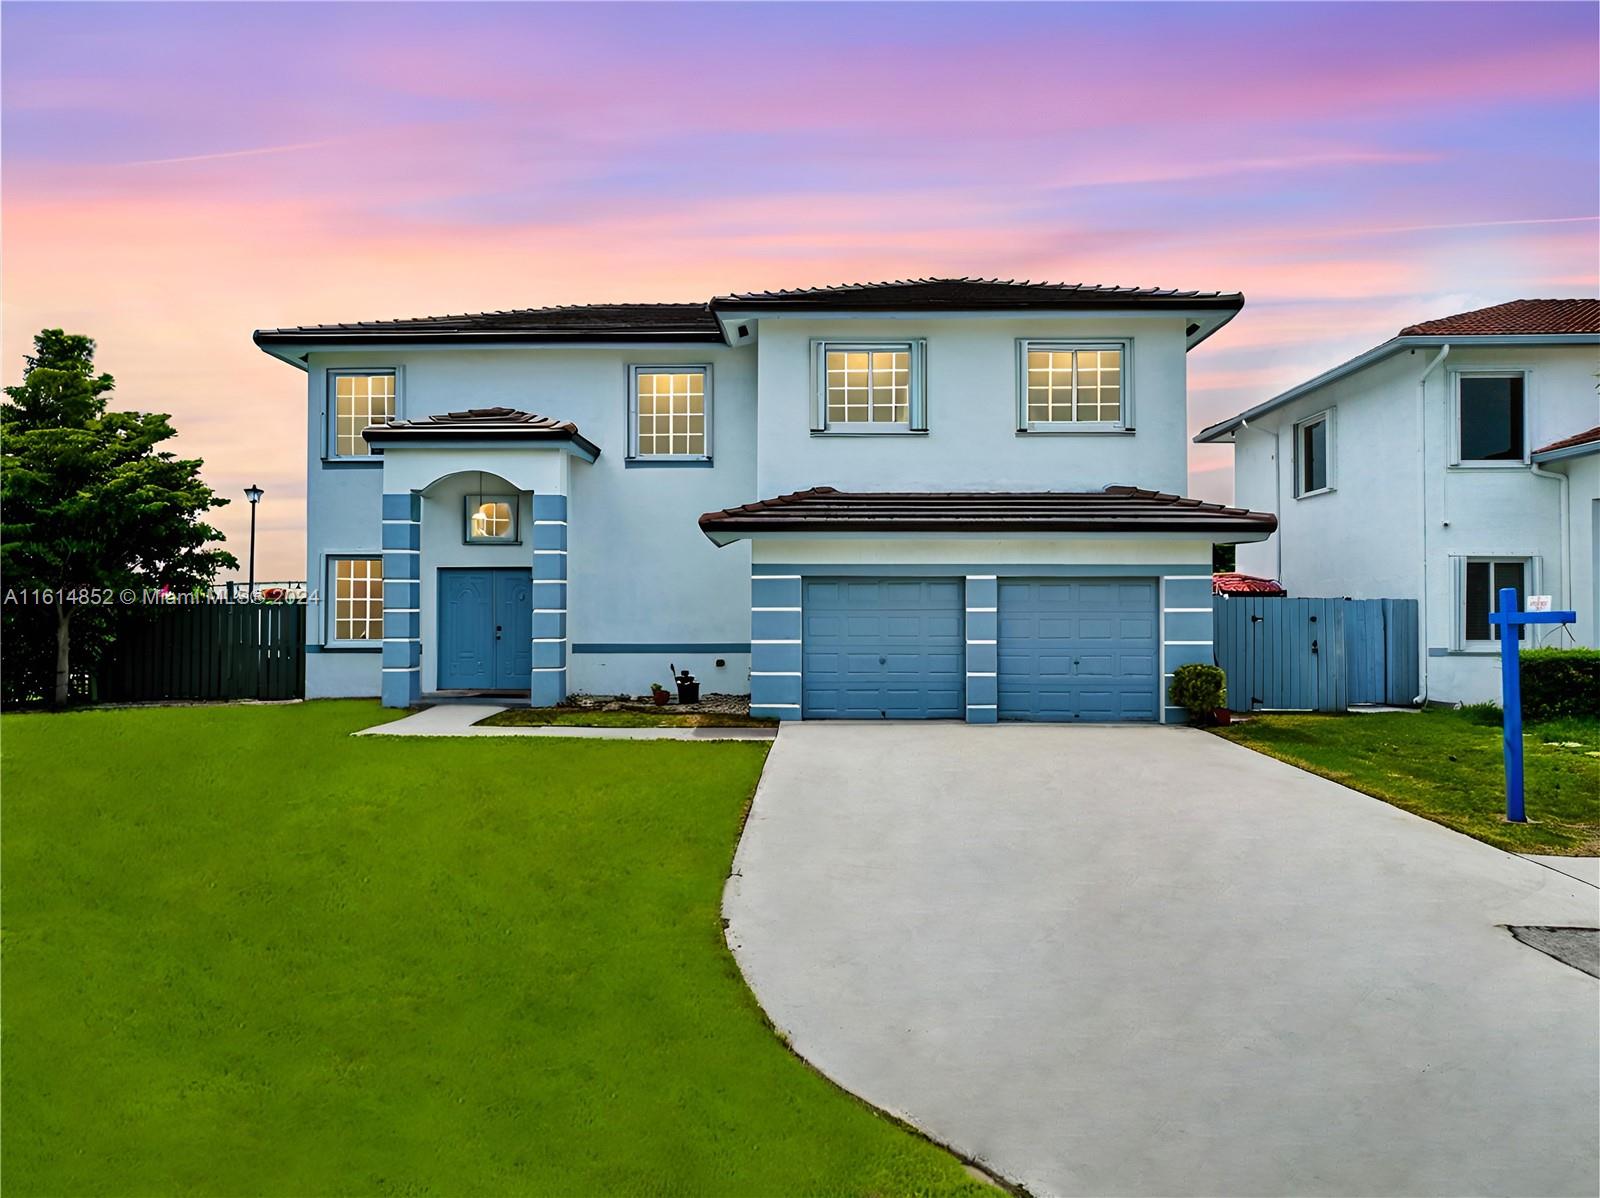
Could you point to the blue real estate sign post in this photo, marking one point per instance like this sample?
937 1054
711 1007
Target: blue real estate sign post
1510 621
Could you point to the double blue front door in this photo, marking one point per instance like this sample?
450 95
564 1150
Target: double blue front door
883 648
485 629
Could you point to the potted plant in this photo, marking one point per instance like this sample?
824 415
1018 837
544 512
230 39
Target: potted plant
688 685
660 694
1202 691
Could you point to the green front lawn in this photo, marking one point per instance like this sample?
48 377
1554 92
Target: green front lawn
586 717
1447 766
246 954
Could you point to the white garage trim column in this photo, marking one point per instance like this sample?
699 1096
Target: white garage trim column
983 632
775 622
1186 631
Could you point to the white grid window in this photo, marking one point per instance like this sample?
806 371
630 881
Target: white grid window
670 414
360 400
1073 385
357 599
868 386
491 518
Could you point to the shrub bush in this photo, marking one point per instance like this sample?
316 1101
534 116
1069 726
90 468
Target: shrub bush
1200 690
1560 682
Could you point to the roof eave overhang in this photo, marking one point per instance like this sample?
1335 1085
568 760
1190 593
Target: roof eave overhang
1567 451
293 347
1224 430
726 533
384 439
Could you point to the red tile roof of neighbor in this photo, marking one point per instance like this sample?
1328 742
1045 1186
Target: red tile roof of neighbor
1245 584
1517 318
1587 437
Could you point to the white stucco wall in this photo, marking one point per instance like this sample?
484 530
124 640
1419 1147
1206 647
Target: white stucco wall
972 442
1372 535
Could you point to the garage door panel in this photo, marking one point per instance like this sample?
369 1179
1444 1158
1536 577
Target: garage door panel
884 649
1078 650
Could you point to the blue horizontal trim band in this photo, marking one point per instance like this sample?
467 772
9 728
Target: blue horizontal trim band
1007 572
715 647
648 464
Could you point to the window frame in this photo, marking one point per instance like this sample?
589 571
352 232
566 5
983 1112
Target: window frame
330 403
514 537
916 421
1491 372
1325 418
1026 345
634 457
1530 586
330 571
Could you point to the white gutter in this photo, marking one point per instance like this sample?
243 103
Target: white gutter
1566 531
1422 506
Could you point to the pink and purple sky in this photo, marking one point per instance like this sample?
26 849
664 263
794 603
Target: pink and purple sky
177 175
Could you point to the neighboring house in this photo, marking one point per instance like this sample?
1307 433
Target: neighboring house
1445 464
939 498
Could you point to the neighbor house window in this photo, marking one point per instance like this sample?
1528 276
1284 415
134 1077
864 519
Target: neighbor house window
1068 386
869 388
670 409
360 399
1491 410
491 519
1482 579
357 599
1312 444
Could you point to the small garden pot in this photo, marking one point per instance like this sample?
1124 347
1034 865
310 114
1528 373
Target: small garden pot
661 697
1222 716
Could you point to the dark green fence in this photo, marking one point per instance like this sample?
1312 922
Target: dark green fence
207 651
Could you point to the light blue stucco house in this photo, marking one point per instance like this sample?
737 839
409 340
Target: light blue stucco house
943 498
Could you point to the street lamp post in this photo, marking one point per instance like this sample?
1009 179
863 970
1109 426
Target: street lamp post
253 493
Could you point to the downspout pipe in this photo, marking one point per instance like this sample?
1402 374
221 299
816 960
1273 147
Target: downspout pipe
1566 531
1422 506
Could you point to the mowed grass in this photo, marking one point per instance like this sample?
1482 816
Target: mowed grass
1447 766
248 954
583 717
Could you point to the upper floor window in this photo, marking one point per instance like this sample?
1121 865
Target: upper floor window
669 408
357 586
491 519
1073 386
360 398
871 387
1491 417
1313 443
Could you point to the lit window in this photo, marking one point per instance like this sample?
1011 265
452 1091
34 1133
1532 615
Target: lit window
873 388
670 413
1312 472
1491 418
1481 595
359 400
1073 385
358 599
491 518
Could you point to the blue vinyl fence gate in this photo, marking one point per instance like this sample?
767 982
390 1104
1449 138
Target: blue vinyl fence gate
1316 654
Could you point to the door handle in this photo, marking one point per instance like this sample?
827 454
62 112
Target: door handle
883 661
497 632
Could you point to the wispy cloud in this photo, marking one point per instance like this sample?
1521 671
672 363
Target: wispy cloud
252 152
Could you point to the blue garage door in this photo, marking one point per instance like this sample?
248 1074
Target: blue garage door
1076 649
883 649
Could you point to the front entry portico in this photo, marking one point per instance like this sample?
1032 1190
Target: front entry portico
460 613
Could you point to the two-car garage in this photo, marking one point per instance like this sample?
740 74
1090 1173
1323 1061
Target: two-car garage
1065 649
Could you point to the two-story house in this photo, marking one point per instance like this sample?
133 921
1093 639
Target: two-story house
943 498
1459 457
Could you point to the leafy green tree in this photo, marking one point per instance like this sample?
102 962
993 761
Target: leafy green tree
89 500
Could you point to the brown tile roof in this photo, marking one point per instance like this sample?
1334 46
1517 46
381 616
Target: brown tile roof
1528 317
1245 584
578 322
1115 509
969 293
474 423
1587 437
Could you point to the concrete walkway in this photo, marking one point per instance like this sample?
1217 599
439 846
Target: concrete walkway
461 719
1124 960
1585 869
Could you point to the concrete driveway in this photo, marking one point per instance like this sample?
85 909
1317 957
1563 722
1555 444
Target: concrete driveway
1127 960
